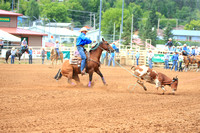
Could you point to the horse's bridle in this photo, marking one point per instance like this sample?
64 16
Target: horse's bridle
103 50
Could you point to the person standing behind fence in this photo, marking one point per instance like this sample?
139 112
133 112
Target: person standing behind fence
30 55
196 50
112 55
180 60
13 52
166 58
137 56
170 44
150 56
193 51
43 55
175 61
103 56
57 48
24 44
1 43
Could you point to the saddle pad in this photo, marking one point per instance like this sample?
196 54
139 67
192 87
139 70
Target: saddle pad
75 61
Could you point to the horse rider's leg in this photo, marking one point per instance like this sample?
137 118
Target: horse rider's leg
61 57
101 75
90 77
142 84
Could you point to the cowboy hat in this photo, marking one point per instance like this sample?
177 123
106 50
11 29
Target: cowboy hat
84 29
170 38
13 48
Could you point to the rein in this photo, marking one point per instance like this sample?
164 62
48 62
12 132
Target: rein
94 48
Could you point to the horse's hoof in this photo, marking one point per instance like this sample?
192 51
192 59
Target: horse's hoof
163 93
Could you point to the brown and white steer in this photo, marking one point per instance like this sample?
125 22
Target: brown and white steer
153 77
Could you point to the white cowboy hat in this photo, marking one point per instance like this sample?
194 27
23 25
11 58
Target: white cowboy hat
84 29
57 41
13 48
170 38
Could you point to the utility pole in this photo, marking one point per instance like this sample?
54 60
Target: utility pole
90 19
158 24
100 20
120 37
114 33
132 32
121 29
94 21
12 5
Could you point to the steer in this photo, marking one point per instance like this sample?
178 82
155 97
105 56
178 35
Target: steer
153 77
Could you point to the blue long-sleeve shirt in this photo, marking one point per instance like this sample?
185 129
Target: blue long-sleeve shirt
114 47
175 57
193 52
137 55
166 56
82 40
30 52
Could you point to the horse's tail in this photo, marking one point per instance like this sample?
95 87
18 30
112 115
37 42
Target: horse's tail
58 75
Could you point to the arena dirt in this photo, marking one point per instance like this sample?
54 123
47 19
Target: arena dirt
32 101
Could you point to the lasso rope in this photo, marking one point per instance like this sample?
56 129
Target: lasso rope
124 69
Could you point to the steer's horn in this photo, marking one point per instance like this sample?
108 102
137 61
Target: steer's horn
132 67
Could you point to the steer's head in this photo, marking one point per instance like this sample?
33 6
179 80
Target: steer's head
174 84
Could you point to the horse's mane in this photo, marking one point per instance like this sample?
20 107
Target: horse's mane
95 47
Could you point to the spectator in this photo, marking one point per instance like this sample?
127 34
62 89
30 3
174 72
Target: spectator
196 50
174 49
175 61
193 51
30 55
178 49
150 56
43 55
103 56
24 44
112 55
13 52
170 44
166 58
185 50
137 56
180 59
57 48
1 43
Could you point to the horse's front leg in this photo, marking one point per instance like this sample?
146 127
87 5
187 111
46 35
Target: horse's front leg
101 75
19 59
90 78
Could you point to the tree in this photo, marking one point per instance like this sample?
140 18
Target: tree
33 10
5 6
137 12
193 25
167 32
58 12
109 17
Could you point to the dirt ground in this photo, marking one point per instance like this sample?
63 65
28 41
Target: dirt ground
32 101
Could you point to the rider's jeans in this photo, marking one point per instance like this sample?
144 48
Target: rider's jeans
83 56
57 49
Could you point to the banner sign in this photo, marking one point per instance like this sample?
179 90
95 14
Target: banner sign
66 55
160 58
4 19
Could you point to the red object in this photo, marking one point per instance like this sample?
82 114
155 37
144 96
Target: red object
49 44
19 31
51 37
9 13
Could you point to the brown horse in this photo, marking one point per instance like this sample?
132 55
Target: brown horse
191 60
71 71
54 56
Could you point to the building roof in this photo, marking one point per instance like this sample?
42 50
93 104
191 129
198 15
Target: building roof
9 13
19 31
55 31
9 37
59 24
186 32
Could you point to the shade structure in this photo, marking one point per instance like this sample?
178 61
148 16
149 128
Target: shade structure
9 37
